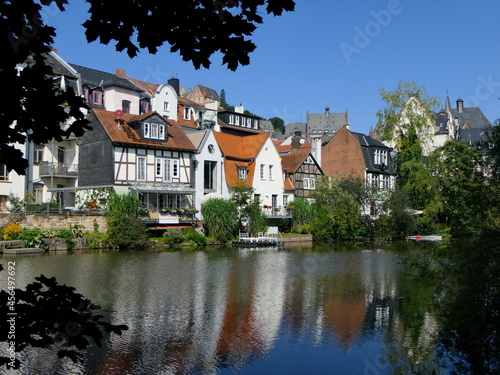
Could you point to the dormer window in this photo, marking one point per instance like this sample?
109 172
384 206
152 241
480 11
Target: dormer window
126 106
242 173
187 113
153 131
144 106
86 94
97 97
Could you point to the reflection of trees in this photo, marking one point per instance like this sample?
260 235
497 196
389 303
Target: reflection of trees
470 323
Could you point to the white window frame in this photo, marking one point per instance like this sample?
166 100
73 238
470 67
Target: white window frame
231 119
242 173
167 169
166 106
309 183
146 130
262 172
161 132
141 168
154 131
187 113
271 177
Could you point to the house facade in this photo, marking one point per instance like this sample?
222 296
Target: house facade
254 161
208 171
301 168
141 154
350 154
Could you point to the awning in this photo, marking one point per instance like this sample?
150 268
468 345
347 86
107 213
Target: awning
150 187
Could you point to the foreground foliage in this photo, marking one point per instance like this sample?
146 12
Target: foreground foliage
53 317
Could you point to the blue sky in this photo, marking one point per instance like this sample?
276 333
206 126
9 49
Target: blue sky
335 53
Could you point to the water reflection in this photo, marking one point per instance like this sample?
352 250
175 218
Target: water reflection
247 312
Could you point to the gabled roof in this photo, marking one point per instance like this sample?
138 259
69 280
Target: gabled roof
59 66
126 134
97 78
239 152
294 159
245 148
288 184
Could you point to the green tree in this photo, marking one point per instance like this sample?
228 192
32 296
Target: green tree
250 213
460 186
221 218
222 26
408 106
338 213
278 124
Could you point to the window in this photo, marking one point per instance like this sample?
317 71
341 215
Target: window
274 201
86 95
242 173
256 198
386 181
4 176
309 183
144 106
237 120
285 200
141 168
154 131
60 154
270 172
255 124
161 132
166 106
187 113
97 97
262 172
126 106
231 119
146 130
38 193
167 169
209 177
38 156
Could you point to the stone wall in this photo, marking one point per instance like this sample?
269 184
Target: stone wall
57 221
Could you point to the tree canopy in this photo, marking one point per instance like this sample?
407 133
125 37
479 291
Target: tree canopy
35 109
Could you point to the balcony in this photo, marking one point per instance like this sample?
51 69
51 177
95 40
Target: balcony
59 170
277 212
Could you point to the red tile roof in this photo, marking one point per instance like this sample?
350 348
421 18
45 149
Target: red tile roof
294 159
125 132
239 152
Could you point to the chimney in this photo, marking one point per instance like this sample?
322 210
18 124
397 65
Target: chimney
174 82
239 109
460 105
296 142
120 72
316 149
54 50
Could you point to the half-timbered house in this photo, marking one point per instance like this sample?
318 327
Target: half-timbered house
141 154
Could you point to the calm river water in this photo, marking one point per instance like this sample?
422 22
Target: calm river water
320 310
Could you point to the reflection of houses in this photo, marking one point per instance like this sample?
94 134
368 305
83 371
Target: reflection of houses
142 154
253 161
301 168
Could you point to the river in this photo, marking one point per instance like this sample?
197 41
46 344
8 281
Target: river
317 310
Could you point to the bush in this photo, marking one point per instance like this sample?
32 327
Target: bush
221 218
191 235
173 237
12 231
95 240
32 237
126 232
